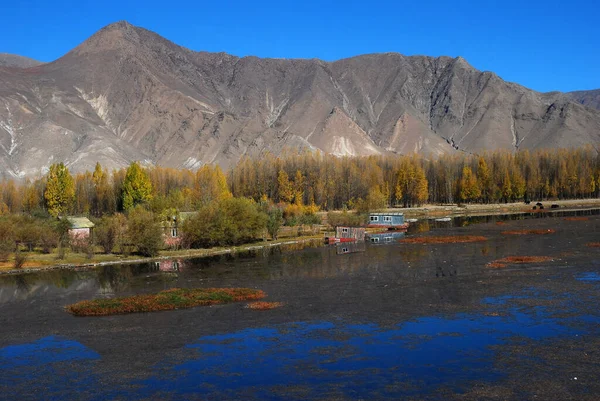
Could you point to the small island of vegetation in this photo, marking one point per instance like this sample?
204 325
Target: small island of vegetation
174 298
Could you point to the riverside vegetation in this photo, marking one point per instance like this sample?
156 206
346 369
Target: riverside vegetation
253 200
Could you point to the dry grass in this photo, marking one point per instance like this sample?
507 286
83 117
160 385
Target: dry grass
264 305
529 232
593 244
518 260
451 239
175 298
500 223
576 218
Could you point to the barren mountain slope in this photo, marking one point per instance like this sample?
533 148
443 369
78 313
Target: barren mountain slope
128 94
15 61
587 98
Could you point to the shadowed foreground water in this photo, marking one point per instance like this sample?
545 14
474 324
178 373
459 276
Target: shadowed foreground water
385 321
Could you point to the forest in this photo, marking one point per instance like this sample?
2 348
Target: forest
259 195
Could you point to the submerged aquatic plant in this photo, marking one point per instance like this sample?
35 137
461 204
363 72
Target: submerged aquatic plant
450 239
175 298
518 260
530 232
264 305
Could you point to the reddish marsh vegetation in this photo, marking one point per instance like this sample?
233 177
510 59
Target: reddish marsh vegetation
594 244
576 218
518 260
264 305
451 239
529 232
175 298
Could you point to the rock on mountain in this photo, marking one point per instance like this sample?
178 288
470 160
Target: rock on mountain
128 94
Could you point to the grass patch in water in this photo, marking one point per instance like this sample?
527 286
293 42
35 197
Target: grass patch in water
450 239
518 260
529 232
175 298
264 305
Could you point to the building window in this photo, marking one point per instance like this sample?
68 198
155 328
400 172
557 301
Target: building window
345 230
174 232
175 266
387 219
375 239
345 250
388 239
374 218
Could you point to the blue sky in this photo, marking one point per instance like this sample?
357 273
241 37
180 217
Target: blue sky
545 45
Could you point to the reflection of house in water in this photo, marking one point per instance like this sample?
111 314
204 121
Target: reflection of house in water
385 237
350 247
168 265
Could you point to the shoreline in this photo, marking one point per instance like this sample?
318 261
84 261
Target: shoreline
185 254
423 212
474 209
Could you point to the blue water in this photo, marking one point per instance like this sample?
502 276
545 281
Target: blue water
352 361
592 276
299 360
51 368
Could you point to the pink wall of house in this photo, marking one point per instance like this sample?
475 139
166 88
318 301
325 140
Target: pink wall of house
79 233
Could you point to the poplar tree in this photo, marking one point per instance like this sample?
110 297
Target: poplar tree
137 187
60 190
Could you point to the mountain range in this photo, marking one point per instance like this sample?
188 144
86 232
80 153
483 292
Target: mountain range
128 94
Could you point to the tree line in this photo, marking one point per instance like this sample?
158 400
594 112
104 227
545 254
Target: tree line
323 181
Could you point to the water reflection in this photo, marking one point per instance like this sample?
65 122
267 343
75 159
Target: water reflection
395 261
49 368
463 221
359 361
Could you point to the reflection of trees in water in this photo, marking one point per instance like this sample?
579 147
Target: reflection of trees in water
26 281
114 277
60 278
22 281
413 254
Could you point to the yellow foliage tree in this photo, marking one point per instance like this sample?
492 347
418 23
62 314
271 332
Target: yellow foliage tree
60 190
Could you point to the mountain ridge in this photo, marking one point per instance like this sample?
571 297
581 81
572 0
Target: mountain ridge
127 94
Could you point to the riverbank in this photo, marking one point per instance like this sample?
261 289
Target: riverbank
455 210
80 261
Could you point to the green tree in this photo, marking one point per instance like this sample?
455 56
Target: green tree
60 190
274 221
144 231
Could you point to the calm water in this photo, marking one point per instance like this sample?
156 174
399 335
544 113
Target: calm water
374 321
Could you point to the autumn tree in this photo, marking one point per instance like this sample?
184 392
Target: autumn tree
60 190
285 189
469 190
211 185
137 188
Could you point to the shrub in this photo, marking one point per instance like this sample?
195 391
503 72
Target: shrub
231 221
144 231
